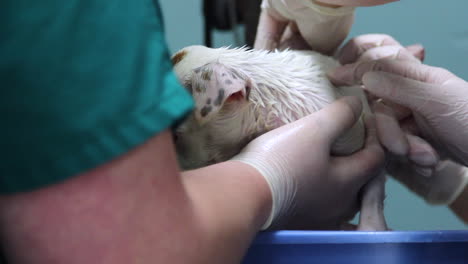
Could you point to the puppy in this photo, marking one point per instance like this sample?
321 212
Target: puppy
240 94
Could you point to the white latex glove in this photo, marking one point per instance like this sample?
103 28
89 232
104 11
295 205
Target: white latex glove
372 47
310 188
430 104
447 182
323 28
437 98
323 24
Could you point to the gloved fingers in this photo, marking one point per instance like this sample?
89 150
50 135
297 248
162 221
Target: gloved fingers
355 2
409 93
354 48
399 111
409 126
421 153
422 170
417 50
389 132
396 52
353 73
361 166
292 39
337 118
269 31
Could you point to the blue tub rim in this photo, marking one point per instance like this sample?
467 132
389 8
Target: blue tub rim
354 237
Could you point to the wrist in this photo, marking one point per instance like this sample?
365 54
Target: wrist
282 187
230 194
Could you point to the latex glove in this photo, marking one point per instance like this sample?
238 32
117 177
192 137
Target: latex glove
438 99
323 28
323 24
444 186
413 159
391 133
305 180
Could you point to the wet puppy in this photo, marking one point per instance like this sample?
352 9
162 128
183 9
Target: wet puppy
240 94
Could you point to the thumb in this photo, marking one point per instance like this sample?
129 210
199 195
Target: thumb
400 90
337 118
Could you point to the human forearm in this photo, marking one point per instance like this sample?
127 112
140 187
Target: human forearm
460 206
136 209
233 201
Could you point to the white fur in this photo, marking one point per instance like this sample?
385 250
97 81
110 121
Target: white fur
286 85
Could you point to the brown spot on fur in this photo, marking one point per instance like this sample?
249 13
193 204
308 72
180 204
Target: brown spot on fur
198 88
178 57
208 101
220 97
206 75
205 110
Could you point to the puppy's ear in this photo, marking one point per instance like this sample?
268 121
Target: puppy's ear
214 85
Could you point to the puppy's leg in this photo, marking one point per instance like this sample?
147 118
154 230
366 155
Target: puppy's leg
372 217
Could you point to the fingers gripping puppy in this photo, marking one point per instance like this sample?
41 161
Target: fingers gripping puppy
240 94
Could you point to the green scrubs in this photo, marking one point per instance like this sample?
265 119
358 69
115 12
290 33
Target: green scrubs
82 82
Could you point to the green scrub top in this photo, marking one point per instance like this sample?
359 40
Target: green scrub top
83 81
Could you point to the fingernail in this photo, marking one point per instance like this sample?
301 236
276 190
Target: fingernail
424 158
426 172
417 50
355 104
372 81
341 75
421 152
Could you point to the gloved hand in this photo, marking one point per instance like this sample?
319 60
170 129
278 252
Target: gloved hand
437 98
322 25
417 100
308 185
323 28
373 47
447 182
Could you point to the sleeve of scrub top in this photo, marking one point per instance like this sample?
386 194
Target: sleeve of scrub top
83 81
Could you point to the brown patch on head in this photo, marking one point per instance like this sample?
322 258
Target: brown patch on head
206 75
198 88
178 57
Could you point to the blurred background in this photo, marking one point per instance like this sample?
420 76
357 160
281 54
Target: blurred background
441 26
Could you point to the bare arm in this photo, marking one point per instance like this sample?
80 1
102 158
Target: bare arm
138 209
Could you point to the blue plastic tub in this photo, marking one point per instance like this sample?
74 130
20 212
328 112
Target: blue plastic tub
324 247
